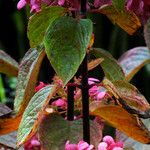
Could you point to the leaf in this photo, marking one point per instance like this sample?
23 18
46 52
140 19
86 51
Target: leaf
9 140
33 113
66 41
127 20
8 65
109 65
133 60
147 33
27 78
119 4
94 63
128 93
4 110
122 120
8 125
128 142
54 131
40 21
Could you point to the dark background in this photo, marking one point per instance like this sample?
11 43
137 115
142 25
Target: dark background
13 40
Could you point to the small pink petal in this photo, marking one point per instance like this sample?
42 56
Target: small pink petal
69 146
102 146
60 103
92 80
21 4
100 95
61 2
40 86
108 139
82 145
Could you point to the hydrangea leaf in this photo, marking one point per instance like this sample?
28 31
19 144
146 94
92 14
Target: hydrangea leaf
119 4
127 20
133 60
8 125
131 143
8 65
39 23
33 113
54 131
147 33
109 65
66 41
128 93
27 78
122 120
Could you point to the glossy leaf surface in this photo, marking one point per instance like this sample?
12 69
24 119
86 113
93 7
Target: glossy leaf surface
33 113
27 78
66 42
133 60
122 120
109 65
8 65
54 131
39 23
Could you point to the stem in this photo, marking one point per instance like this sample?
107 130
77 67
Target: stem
70 98
85 102
85 88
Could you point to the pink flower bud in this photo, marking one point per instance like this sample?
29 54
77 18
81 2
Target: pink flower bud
40 86
108 139
60 103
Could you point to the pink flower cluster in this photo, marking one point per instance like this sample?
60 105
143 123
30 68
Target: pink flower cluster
107 144
32 144
62 103
80 146
96 92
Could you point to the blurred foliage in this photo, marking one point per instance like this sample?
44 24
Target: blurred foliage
13 40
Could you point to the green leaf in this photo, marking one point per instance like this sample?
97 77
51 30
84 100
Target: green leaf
109 65
33 113
54 131
39 23
128 93
130 143
119 4
8 65
126 19
133 60
122 120
147 33
27 78
66 42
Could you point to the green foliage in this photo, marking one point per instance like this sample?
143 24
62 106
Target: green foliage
39 23
110 66
119 4
65 42
147 33
33 114
72 130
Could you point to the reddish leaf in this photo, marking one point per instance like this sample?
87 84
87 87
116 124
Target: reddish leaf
133 60
8 65
127 20
122 120
27 78
128 93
